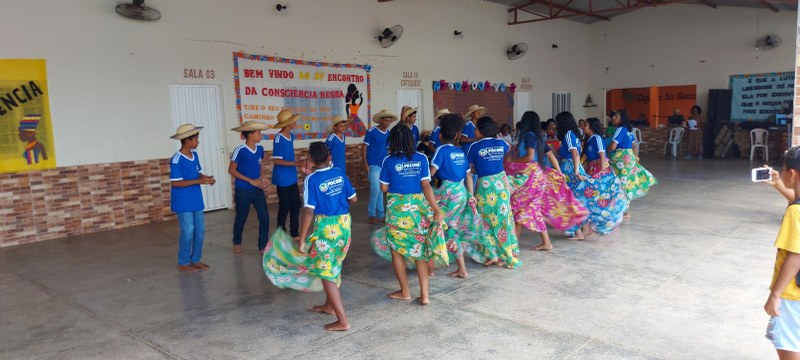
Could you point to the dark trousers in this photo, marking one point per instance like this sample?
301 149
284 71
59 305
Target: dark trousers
244 198
289 203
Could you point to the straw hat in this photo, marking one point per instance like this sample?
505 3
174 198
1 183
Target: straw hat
475 108
251 125
285 117
383 114
441 113
336 120
407 111
186 130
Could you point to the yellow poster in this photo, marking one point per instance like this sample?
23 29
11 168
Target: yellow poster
26 129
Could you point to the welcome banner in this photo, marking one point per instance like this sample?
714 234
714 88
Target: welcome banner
757 96
26 129
319 91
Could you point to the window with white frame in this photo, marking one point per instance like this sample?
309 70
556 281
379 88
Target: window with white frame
562 101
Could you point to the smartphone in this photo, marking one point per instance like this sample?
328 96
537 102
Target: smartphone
762 174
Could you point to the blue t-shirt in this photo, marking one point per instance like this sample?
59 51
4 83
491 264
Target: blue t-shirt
435 136
283 148
569 142
622 138
188 198
327 191
531 141
377 145
487 156
594 146
469 131
403 175
248 163
450 163
337 147
415 132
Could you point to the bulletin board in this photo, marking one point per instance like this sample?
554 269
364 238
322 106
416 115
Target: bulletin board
499 101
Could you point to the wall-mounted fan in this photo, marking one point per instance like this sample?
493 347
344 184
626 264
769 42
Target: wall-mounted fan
768 42
517 51
389 36
138 11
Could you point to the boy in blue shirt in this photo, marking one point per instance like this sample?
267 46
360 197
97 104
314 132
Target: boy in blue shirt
374 150
187 199
336 142
783 303
246 169
284 173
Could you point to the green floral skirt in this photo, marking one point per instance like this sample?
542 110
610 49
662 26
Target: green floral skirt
464 226
410 231
500 240
635 179
287 267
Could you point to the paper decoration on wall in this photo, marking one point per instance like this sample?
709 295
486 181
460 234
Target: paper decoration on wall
472 85
319 91
26 128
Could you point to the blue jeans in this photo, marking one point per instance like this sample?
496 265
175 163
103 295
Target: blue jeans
375 208
244 198
190 244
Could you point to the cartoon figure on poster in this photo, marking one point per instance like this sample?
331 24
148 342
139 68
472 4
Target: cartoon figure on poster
27 134
353 101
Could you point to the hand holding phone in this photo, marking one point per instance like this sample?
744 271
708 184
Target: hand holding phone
762 174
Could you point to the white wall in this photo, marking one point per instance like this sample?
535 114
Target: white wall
676 38
109 77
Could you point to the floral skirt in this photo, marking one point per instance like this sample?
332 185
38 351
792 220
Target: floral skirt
594 167
356 128
410 231
540 196
464 226
635 179
601 194
287 267
500 241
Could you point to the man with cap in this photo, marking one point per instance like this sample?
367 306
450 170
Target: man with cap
284 173
27 134
186 198
468 134
249 185
336 143
373 152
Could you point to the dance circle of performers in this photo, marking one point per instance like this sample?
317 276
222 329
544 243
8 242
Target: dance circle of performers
466 190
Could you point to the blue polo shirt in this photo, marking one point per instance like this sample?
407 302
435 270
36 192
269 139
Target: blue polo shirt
594 146
487 156
415 132
337 147
283 148
403 175
622 138
327 191
469 131
188 198
248 163
569 142
531 141
450 163
435 136
377 145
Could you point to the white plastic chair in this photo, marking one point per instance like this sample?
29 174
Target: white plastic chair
637 134
758 139
675 136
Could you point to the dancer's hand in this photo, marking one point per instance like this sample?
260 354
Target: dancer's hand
438 216
472 201
579 176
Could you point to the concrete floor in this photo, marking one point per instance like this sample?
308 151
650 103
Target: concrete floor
686 279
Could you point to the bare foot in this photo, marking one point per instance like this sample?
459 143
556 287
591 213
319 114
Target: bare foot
458 274
575 237
323 309
398 295
542 247
337 326
491 262
200 266
188 268
423 301
626 216
237 250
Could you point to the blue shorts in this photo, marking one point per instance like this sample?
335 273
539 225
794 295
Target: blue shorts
784 330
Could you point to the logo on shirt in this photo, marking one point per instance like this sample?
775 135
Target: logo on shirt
333 183
493 152
457 155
